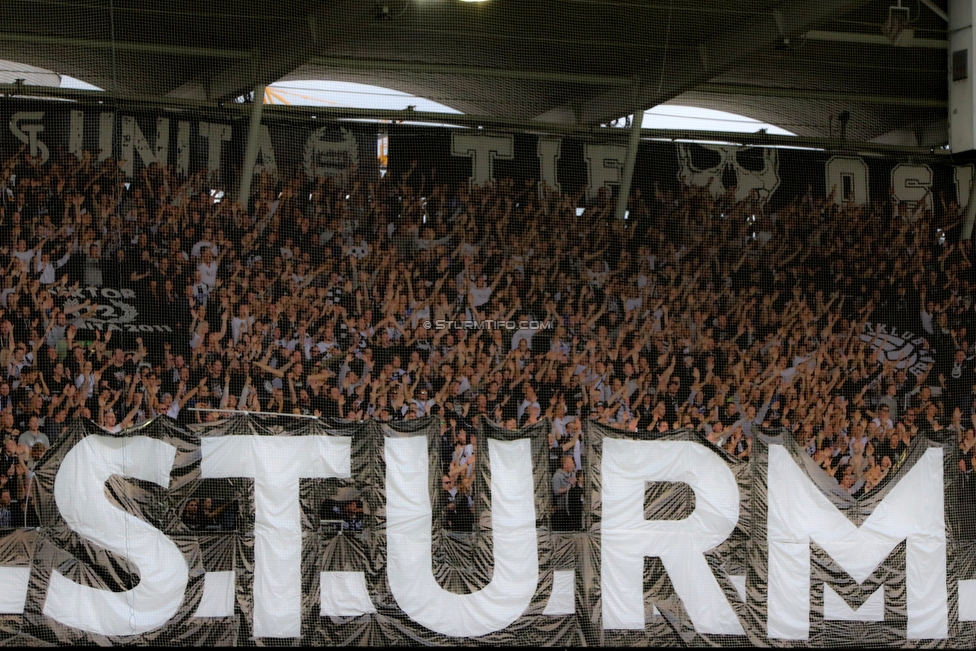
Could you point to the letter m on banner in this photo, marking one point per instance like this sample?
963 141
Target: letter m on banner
800 512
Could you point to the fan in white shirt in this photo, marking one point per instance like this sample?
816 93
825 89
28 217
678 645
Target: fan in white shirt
200 291
24 254
480 293
242 323
208 268
20 360
518 261
109 419
47 269
205 243
598 274
302 342
927 315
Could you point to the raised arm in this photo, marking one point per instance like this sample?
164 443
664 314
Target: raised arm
130 418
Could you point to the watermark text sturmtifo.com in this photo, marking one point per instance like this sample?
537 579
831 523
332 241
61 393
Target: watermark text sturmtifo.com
488 324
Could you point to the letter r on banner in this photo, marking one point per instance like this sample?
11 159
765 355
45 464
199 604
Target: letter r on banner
627 537
276 463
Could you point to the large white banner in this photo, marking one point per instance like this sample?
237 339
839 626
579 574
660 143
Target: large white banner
301 563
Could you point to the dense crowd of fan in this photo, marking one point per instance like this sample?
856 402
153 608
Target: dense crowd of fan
347 298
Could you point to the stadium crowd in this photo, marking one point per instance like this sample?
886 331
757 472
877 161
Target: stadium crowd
355 299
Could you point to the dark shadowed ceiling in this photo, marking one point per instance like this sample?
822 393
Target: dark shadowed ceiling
799 64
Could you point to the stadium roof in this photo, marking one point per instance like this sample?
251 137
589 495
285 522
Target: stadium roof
814 68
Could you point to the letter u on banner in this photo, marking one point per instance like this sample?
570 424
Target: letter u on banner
409 520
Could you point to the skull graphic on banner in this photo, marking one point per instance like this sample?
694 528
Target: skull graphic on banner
763 181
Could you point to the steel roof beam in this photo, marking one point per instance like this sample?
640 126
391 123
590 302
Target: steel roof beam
820 95
684 70
235 111
936 9
125 46
470 71
270 59
875 39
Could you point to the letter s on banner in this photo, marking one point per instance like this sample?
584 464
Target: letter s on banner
409 545
79 491
799 513
912 183
27 133
627 537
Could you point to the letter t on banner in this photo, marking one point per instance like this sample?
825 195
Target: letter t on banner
483 150
276 464
680 544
